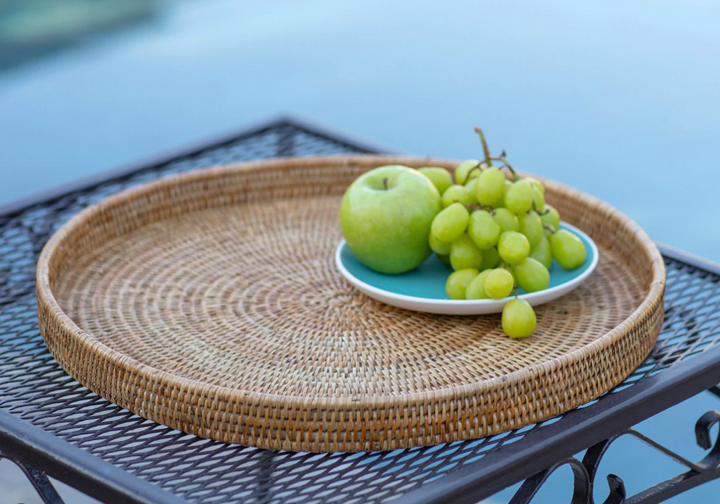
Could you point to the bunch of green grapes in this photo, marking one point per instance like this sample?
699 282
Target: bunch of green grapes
498 234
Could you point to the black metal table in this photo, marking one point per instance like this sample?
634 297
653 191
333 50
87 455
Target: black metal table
52 425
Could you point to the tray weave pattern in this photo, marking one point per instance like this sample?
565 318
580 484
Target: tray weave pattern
209 302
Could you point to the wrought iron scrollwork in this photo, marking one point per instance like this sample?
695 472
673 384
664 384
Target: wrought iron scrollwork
582 484
40 482
585 471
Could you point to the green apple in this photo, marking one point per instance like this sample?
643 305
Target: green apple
385 217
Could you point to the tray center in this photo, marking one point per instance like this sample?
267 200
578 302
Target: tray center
248 297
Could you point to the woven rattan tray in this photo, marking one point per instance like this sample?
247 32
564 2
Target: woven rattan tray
209 302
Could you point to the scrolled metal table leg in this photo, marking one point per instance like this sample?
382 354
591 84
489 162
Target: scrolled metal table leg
582 490
40 482
586 471
583 484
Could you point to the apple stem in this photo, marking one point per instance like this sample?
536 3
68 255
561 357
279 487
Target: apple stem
486 149
385 183
550 228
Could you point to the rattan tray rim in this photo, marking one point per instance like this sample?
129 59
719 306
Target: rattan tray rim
45 294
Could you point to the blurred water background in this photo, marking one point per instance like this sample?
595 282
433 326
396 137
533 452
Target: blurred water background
619 98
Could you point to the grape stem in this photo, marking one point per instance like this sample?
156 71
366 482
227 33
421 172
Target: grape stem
385 183
476 167
480 206
489 158
507 165
516 292
550 227
486 149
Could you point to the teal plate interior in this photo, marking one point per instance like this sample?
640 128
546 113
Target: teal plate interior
428 280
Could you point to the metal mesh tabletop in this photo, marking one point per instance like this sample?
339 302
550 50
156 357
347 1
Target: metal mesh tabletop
35 389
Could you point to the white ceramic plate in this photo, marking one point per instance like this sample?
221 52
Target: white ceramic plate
423 289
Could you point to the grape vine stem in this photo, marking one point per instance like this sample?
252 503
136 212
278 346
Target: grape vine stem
485 147
507 165
480 206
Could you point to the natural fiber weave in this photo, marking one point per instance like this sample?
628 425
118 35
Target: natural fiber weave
209 302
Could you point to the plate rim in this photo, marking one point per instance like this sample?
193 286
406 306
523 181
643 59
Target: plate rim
469 303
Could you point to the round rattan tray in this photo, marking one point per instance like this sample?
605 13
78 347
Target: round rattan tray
209 302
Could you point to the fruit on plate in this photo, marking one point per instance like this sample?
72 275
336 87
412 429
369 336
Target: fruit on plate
490 187
464 254
484 230
515 234
386 215
532 275
456 194
513 247
530 224
542 252
450 223
499 283
567 249
458 282
440 177
476 288
466 170
492 227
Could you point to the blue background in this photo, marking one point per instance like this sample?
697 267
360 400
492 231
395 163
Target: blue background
619 98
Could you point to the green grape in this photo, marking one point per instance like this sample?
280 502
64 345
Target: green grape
513 247
538 199
532 276
450 223
506 220
501 203
470 186
462 171
567 249
491 258
458 282
531 226
456 194
542 252
490 187
518 319
483 230
551 216
519 197
444 258
438 246
464 254
536 183
440 177
476 288
499 283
